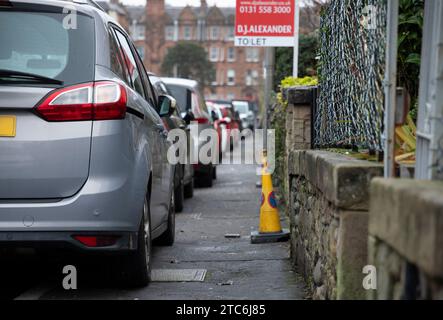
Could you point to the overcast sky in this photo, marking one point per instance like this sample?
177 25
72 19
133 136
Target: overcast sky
220 3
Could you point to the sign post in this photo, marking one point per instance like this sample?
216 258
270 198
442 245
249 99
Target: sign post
296 39
269 24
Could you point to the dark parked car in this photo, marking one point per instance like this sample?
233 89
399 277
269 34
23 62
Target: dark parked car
83 161
193 105
184 173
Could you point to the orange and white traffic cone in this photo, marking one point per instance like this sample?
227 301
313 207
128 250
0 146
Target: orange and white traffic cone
270 229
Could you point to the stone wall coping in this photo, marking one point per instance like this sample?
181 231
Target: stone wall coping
297 96
343 180
408 216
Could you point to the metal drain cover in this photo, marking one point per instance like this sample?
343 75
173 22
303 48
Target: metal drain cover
178 275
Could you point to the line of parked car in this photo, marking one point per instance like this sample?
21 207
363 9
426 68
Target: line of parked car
84 137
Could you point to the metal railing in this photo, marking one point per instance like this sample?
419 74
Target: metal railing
352 66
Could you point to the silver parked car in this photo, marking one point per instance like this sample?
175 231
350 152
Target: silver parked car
83 148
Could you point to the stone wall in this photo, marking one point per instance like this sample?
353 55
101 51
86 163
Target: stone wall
298 125
406 239
328 210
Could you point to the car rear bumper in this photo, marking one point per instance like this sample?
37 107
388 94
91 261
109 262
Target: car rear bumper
125 241
92 210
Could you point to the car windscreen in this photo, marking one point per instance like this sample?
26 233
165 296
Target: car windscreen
241 106
181 95
47 44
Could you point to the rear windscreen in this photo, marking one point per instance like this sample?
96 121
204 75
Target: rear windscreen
48 44
241 106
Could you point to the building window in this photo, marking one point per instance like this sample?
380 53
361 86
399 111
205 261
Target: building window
231 54
215 83
138 32
188 33
251 78
255 78
231 34
252 55
231 77
169 33
215 33
214 54
141 51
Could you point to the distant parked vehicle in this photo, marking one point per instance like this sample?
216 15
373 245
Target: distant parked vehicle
194 109
184 173
228 105
221 129
83 161
226 125
247 113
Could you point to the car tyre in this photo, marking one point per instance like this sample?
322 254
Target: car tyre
167 239
207 181
189 189
214 173
136 266
179 196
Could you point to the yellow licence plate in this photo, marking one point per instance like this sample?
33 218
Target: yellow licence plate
7 126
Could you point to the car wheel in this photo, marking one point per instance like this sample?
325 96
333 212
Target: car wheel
206 181
214 173
189 189
136 266
179 197
167 239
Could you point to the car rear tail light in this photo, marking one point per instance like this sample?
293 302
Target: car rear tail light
97 241
202 120
102 100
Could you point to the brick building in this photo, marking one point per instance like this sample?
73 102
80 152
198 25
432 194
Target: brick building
238 70
157 27
117 11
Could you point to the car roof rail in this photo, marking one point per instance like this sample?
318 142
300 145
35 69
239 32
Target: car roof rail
89 2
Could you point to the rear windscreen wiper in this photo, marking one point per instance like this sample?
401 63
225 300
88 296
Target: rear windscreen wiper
24 76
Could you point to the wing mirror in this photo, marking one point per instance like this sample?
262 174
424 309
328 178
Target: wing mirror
214 115
189 117
167 105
